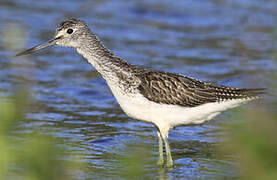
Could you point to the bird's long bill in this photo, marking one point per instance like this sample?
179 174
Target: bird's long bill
38 47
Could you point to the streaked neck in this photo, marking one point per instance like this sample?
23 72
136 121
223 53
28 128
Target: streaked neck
104 61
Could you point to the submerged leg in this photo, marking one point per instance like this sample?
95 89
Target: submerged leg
163 135
161 156
168 153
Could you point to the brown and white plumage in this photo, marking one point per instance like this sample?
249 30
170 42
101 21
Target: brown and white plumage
174 89
164 99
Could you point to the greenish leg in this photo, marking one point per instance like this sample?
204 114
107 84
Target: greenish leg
161 157
168 153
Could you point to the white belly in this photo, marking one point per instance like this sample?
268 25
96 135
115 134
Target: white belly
162 115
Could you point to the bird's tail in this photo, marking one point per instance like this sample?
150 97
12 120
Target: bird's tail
245 93
251 93
228 93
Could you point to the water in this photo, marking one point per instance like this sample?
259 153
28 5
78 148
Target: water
225 41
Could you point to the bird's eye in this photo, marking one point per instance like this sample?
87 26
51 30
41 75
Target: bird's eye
69 31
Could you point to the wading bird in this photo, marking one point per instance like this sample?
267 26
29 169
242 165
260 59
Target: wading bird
164 99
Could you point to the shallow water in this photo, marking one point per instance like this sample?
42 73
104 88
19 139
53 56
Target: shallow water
226 41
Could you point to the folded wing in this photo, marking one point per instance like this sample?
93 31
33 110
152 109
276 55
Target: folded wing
174 89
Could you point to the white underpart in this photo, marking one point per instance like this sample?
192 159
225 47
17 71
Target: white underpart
167 116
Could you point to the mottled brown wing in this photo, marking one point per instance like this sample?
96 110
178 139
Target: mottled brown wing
174 89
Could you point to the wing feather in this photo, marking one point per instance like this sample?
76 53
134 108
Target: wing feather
174 89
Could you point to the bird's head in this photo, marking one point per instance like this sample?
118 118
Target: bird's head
70 33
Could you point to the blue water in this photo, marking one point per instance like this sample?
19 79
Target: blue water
224 41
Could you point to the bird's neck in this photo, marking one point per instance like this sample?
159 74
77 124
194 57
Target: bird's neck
105 62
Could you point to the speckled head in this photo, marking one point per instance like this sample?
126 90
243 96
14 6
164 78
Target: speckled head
69 23
70 33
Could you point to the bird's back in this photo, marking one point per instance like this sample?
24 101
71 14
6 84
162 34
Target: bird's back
174 89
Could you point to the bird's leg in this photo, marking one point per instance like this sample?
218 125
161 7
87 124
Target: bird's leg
161 156
168 153
167 149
